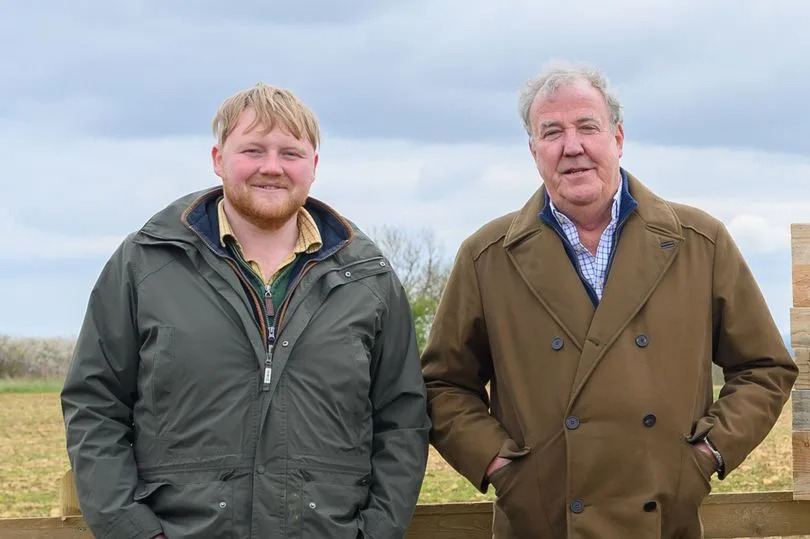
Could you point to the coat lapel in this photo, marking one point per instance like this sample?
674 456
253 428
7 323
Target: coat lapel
648 244
540 258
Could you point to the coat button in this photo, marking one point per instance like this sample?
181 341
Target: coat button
285 344
348 274
577 506
642 341
223 505
572 422
650 506
312 505
557 343
260 469
649 420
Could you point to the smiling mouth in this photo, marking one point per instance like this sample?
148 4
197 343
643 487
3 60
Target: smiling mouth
268 187
572 171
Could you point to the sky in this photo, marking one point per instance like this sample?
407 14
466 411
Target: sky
105 113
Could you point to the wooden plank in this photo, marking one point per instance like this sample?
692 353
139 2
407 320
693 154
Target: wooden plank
801 465
800 327
802 358
800 234
800 399
68 499
452 521
44 528
760 514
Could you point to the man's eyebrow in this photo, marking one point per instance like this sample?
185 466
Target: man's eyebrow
586 119
548 123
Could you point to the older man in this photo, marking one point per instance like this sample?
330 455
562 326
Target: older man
247 366
595 313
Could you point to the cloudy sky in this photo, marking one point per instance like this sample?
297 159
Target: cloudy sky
105 112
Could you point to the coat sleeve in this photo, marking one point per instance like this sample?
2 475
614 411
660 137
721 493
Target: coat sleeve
97 401
400 422
457 366
757 368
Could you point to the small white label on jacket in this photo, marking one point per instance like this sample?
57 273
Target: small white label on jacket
267 372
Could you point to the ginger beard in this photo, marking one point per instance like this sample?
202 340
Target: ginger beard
266 203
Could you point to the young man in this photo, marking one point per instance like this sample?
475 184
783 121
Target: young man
247 366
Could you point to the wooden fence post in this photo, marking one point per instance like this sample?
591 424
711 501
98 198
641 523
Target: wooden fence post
68 500
800 339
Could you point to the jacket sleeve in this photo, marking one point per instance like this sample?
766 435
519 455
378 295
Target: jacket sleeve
400 422
457 366
97 400
757 368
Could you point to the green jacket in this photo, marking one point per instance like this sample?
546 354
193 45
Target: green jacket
173 427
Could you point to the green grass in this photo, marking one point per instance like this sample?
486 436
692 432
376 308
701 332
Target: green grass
22 385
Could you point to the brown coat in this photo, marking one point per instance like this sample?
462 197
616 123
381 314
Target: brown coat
599 407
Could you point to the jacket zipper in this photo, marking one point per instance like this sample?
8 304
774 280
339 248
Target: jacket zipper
270 314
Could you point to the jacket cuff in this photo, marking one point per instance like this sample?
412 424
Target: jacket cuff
135 522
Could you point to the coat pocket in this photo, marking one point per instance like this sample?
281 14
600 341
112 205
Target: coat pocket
190 511
331 504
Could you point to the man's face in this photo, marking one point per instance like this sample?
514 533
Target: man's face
574 147
266 176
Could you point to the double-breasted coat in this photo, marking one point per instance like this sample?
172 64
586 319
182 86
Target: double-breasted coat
599 406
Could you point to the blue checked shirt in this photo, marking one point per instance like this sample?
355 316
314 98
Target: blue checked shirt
593 268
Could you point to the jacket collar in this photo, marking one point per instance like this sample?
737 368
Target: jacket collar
649 240
651 209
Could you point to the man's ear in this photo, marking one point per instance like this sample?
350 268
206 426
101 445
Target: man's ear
216 159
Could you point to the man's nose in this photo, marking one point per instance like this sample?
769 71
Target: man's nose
271 165
572 145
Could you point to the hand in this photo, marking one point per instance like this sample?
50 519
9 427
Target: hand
703 446
496 464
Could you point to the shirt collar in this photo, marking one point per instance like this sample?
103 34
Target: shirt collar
614 208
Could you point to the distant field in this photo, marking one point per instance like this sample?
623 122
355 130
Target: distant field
32 457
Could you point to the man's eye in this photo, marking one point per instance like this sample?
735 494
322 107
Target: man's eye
250 151
551 134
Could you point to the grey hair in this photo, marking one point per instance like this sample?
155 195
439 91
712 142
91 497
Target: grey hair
559 74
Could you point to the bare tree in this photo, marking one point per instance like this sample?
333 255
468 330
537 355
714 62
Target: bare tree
421 266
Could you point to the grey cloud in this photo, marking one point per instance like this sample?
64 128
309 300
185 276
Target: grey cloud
445 71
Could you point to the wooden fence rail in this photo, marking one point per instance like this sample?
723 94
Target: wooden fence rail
760 514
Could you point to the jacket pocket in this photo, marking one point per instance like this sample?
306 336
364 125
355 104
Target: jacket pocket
158 351
190 511
518 511
695 476
331 504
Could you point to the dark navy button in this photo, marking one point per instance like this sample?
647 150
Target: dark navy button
572 422
577 506
649 420
642 341
650 506
557 343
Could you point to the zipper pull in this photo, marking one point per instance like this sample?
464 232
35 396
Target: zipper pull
268 301
268 369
